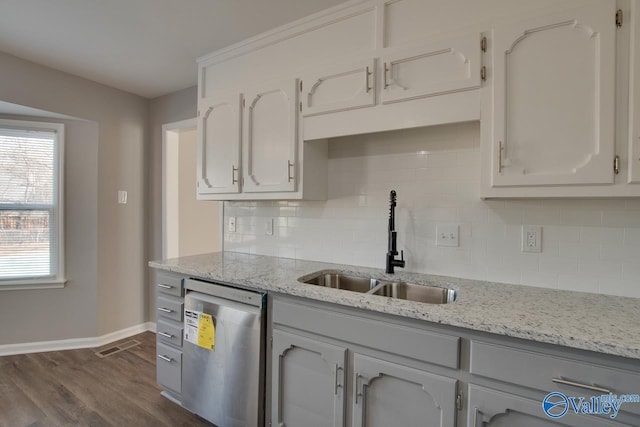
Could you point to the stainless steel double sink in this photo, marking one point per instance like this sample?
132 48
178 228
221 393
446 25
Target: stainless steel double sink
391 289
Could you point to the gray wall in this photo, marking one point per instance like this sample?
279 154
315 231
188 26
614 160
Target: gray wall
181 105
68 312
107 290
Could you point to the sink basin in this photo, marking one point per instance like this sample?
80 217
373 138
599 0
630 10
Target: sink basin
343 281
419 293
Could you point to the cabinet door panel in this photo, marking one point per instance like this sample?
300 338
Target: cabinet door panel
339 88
270 138
491 408
388 394
308 382
451 65
554 86
219 145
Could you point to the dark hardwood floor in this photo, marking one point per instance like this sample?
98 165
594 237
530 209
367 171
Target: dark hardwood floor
77 388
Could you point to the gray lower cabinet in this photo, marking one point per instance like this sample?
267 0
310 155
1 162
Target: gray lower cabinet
308 382
328 370
389 394
169 326
335 366
492 408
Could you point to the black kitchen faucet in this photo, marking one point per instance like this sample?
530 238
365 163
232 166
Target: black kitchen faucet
392 262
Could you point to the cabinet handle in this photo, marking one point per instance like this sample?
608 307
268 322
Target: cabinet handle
289 166
366 79
386 72
165 358
475 417
165 310
616 165
160 285
500 150
580 385
233 174
337 384
164 334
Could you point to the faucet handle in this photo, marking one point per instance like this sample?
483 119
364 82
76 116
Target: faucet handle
402 255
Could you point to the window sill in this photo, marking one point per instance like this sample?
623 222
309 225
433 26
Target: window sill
26 284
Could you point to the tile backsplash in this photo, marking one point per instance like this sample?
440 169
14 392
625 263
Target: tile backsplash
590 245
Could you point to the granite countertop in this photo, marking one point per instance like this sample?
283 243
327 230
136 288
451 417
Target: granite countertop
599 323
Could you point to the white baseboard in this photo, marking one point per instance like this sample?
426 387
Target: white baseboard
75 343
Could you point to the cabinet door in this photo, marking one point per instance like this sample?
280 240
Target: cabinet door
491 408
387 394
270 138
450 65
219 145
308 382
553 99
634 117
339 88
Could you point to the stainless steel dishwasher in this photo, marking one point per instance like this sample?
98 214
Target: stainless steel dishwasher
224 354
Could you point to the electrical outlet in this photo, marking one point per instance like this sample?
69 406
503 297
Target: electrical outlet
448 235
531 238
232 224
268 227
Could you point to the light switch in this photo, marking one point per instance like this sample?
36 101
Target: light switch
232 224
122 197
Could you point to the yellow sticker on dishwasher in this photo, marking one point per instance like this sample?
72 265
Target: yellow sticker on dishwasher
206 332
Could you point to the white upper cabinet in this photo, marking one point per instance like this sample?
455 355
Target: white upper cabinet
339 88
270 137
219 130
450 65
553 99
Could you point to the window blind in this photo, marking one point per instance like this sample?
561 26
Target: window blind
28 204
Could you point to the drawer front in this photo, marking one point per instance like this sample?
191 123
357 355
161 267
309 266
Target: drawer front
169 332
171 308
169 367
168 284
538 371
407 341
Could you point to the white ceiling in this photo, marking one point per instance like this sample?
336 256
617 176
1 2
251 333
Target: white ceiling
147 47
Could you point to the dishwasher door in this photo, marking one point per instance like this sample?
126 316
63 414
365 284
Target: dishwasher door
225 385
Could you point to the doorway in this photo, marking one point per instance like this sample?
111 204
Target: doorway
189 226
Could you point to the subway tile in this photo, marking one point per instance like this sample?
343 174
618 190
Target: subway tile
603 235
581 217
558 265
623 288
621 218
541 216
588 245
505 215
600 268
540 279
575 282
579 250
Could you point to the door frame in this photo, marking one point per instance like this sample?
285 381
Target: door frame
170 233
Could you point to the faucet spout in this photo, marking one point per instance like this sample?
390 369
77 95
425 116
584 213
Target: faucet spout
392 250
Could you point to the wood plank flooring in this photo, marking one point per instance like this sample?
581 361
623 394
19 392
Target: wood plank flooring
77 388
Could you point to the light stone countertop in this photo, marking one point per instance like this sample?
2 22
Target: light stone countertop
600 323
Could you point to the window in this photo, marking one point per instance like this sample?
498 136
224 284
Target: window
31 204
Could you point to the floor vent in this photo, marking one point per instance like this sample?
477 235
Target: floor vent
117 348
